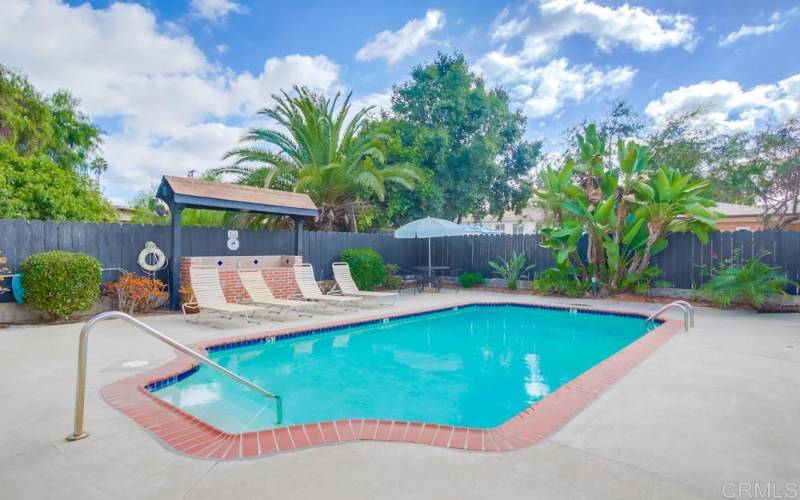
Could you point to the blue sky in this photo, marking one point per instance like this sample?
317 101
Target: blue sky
175 83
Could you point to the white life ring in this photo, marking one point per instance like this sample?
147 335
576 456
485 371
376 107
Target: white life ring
145 258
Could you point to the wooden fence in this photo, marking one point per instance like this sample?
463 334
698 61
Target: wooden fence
682 262
118 245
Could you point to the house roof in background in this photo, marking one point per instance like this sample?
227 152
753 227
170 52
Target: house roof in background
197 193
736 210
530 214
534 214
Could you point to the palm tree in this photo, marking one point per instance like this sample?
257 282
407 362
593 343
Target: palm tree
317 149
98 166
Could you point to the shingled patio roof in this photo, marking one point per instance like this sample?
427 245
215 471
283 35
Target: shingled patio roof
196 193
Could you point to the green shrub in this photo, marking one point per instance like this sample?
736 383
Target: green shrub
61 283
752 281
366 266
390 278
640 283
562 280
468 280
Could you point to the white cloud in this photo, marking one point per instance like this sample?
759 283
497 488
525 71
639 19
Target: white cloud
504 28
316 72
191 147
776 23
639 28
382 101
543 87
215 10
176 108
727 106
544 90
395 45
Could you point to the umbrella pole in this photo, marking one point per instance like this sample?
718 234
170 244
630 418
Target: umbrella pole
429 258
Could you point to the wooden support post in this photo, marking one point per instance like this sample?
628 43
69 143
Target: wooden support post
298 235
175 258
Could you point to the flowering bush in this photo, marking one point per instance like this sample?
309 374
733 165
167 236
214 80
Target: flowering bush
134 293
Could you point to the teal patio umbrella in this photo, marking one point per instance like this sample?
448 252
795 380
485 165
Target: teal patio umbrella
430 228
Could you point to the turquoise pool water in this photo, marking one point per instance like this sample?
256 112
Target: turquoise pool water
473 366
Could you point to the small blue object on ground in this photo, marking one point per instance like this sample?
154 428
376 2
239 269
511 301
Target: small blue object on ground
17 289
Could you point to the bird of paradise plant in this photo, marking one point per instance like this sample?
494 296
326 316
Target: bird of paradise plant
626 211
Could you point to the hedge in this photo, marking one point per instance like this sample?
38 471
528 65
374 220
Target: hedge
61 283
366 266
468 280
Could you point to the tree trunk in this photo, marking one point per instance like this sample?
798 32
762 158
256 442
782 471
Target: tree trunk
621 214
353 221
655 232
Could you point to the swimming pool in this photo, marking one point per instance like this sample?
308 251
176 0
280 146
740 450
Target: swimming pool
475 366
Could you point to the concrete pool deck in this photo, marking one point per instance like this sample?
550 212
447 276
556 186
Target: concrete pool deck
710 413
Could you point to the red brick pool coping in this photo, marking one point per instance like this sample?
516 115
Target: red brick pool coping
182 433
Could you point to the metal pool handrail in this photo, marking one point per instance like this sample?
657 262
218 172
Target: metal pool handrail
80 387
688 313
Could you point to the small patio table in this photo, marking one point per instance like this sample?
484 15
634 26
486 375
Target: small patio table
433 280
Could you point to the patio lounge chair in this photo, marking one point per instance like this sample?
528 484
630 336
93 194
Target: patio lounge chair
309 289
209 296
348 288
260 294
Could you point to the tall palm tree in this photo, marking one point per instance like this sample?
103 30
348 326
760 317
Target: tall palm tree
317 149
98 166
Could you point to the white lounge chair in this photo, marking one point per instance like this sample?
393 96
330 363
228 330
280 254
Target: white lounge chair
309 289
348 288
260 294
209 296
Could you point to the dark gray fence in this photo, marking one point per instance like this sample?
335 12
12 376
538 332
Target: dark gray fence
118 245
684 263
685 259
473 253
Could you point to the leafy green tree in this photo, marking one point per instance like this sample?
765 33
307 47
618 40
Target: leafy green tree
620 122
445 120
52 125
759 167
75 139
144 208
318 148
34 187
46 146
764 166
25 116
689 149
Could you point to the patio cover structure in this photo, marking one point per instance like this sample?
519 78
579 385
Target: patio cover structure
185 192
